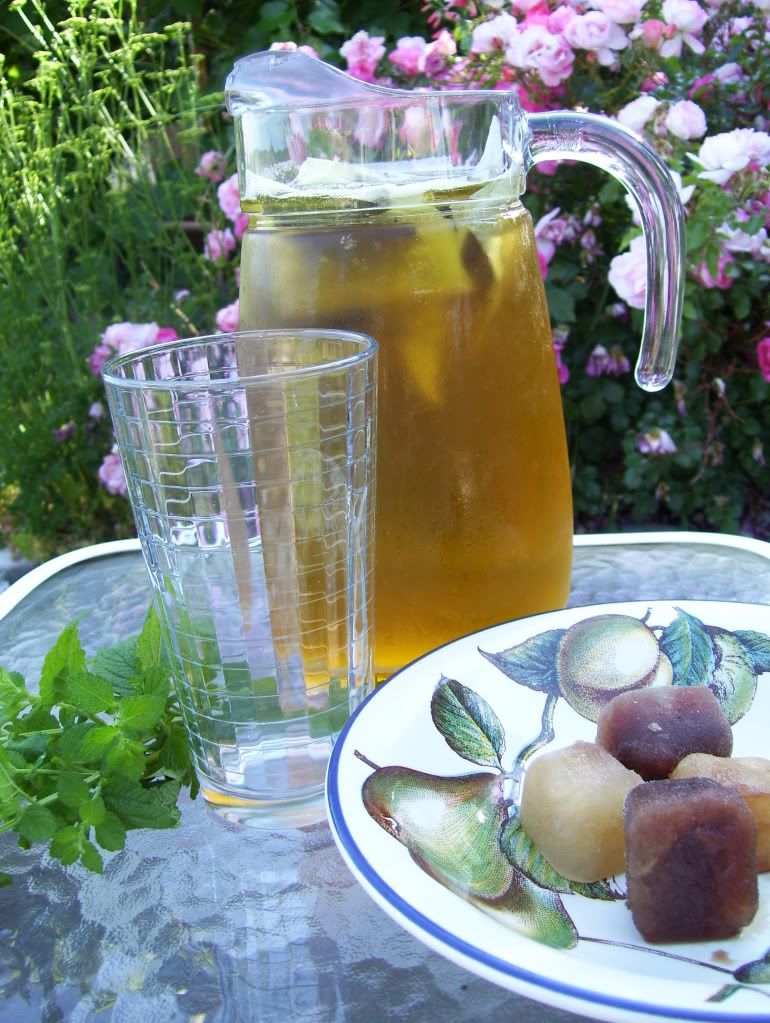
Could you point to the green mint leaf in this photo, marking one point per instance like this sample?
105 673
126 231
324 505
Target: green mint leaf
125 759
71 740
119 666
65 657
137 807
92 743
36 822
40 719
88 693
140 714
90 858
111 833
65 844
157 680
13 695
9 794
149 645
72 790
93 812
175 753
5 879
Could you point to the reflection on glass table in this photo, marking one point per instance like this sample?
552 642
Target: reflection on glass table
217 922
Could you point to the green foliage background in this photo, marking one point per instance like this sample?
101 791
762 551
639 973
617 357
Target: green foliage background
105 109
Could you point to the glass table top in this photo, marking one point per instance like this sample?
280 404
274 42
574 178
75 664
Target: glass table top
217 922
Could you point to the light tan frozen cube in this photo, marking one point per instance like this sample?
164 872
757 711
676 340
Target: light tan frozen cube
572 809
750 777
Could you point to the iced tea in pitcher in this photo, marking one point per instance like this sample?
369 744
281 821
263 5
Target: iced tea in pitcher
397 214
474 513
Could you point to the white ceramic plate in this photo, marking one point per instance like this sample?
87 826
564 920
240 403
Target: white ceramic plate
609 972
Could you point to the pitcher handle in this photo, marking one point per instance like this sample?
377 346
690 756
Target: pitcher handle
563 135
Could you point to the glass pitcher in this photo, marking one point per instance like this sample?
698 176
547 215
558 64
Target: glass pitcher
397 214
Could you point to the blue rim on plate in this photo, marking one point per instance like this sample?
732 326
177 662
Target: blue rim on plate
515 977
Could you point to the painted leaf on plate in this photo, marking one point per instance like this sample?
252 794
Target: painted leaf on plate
756 646
733 682
467 722
524 854
531 663
688 646
755 972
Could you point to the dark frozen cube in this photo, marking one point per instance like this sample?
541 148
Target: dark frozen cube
650 730
691 868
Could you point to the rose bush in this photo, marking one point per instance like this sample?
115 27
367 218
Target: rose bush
157 256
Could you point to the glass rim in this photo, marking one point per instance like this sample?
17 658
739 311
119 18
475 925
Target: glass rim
366 346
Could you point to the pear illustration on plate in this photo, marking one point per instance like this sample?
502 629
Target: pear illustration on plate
451 827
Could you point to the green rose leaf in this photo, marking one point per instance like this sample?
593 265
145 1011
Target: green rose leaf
88 693
65 657
531 663
756 646
467 722
118 665
522 852
138 807
688 646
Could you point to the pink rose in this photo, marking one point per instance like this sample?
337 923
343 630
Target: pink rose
406 56
622 12
229 197
537 49
598 362
560 18
435 55
763 358
212 165
688 19
656 442
637 113
703 275
363 53
289 45
228 318
731 151
111 473
628 274
594 31
686 120
219 244
496 34
652 33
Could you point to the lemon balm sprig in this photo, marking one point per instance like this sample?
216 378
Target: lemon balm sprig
99 749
